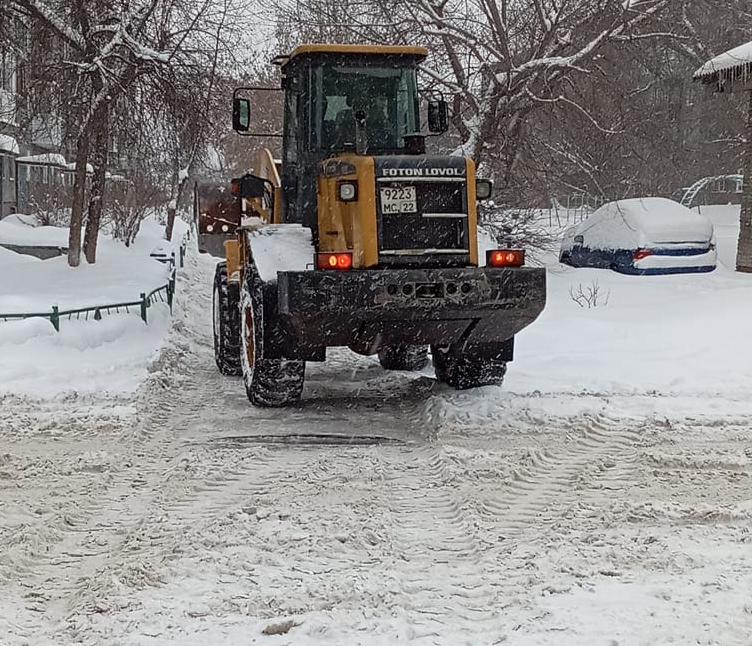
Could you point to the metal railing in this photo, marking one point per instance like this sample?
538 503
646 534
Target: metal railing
163 294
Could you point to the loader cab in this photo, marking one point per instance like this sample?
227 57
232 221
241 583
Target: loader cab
344 99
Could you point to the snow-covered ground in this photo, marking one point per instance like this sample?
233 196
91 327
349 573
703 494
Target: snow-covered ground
673 335
112 354
601 497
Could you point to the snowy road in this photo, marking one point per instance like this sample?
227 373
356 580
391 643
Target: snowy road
426 516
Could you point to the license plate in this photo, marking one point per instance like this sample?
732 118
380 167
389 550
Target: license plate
398 199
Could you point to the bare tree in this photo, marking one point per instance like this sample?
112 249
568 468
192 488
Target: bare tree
111 46
131 200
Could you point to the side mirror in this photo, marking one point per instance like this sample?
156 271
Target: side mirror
579 239
241 115
483 189
249 186
438 116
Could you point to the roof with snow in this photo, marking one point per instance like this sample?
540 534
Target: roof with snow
72 166
732 68
8 145
48 159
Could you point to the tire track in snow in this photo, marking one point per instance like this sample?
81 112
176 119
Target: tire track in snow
441 512
554 478
441 570
91 506
206 414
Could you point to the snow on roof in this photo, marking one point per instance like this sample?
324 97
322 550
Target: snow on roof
657 218
48 159
9 145
739 56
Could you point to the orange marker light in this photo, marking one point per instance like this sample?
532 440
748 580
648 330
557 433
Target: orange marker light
505 258
337 261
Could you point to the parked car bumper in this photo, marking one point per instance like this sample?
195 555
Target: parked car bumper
673 264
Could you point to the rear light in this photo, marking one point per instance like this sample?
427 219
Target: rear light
338 261
642 253
505 258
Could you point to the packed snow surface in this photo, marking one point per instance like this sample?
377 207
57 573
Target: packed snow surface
741 55
601 496
643 222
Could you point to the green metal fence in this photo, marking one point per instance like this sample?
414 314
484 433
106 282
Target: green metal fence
163 294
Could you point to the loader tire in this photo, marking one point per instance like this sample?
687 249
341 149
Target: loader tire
226 316
463 370
403 357
269 382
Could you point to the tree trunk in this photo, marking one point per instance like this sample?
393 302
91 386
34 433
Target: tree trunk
171 210
96 201
744 250
79 195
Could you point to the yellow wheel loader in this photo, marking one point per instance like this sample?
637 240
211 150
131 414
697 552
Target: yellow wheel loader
357 238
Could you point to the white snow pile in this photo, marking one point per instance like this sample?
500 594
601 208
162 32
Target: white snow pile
24 231
281 247
86 355
10 258
741 55
676 335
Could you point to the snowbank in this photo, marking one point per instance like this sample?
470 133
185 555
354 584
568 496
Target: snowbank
17 230
110 355
678 335
119 275
10 258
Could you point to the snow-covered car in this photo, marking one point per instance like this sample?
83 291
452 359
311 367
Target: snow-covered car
651 235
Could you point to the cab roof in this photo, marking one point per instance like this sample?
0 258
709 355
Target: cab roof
418 53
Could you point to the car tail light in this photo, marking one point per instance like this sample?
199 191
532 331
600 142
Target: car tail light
642 253
337 261
505 258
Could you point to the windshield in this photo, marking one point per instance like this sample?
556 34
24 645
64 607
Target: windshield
385 97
